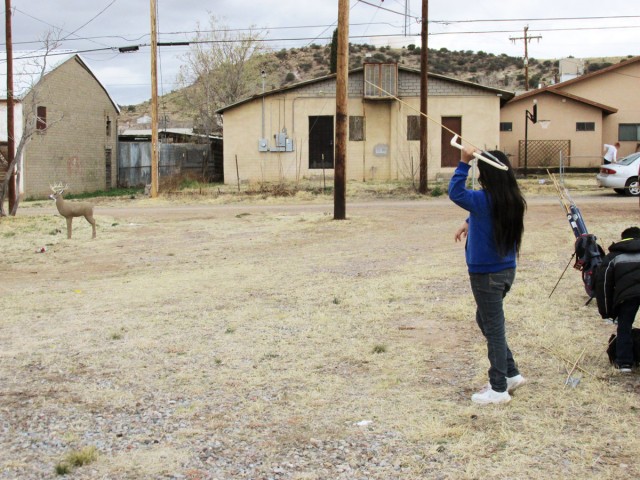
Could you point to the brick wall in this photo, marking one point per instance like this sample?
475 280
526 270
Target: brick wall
408 86
72 149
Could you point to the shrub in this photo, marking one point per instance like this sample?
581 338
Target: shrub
62 469
78 458
437 191
534 81
594 67
379 349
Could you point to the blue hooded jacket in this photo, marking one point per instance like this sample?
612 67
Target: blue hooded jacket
480 251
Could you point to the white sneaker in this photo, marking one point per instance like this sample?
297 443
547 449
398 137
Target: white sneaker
490 396
485 388
515 382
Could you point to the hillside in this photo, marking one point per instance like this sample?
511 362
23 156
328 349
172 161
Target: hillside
288 66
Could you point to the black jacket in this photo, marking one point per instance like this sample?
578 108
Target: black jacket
618 277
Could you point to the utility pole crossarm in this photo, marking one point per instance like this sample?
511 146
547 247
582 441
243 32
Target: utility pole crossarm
527 38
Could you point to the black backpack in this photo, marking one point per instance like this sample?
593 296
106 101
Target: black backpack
588 257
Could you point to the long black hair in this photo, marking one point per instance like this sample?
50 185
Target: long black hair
507 203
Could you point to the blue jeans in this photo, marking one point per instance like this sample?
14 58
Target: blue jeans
489 289
624 342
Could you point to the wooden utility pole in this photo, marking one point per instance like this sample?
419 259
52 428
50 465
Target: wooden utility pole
11 142
342 82
154 102
424 87
526 39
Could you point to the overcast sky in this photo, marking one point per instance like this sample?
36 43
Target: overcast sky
106 25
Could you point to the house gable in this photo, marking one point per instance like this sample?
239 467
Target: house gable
78 146
615 86
408 86
635 61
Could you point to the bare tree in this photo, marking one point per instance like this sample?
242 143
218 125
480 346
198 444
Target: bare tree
33 71
220 68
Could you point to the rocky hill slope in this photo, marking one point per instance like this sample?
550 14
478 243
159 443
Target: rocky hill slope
288 66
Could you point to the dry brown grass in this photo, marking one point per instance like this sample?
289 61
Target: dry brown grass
265 340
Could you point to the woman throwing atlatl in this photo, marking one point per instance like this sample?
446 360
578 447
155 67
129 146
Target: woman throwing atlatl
493 231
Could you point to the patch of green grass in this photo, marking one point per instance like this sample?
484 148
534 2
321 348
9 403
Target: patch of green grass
114 192
9 234
437 191
190 183
84 456
62 468
230 330
379 348
76 458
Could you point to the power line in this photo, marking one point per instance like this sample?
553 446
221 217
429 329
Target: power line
379 7
479 32
91 19
476 32
540 19
187 32
312 39
54 27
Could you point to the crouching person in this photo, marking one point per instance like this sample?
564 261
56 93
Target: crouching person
618 292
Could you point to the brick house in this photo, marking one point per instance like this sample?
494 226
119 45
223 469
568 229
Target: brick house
75 139
288 133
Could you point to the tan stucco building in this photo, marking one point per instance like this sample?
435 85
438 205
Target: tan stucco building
576 117
75 132
288 134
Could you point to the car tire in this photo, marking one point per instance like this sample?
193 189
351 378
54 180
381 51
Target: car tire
619 191
632 187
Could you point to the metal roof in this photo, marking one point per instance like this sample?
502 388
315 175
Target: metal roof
146 132
505 94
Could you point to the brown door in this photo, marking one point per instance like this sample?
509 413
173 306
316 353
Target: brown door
321 141
450 155
107 166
